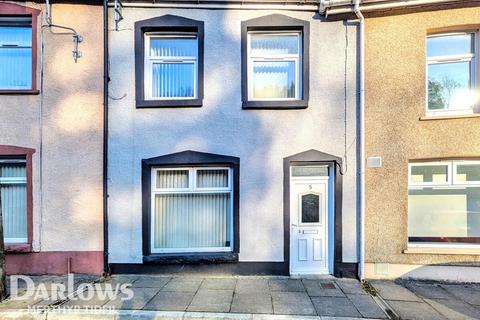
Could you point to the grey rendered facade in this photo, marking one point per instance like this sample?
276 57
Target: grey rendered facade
260 138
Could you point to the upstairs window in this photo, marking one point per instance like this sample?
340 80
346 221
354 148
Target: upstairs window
171 66
451 68
169 54
444 202
274 65
15 53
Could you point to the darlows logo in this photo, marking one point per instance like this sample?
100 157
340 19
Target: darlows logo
52 291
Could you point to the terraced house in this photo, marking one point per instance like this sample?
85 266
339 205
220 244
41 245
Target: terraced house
51 128
231 138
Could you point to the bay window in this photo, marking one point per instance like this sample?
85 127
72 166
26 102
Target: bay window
191 210
452 73
444 202
13 198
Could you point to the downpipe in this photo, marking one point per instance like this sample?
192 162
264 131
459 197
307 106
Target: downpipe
361 130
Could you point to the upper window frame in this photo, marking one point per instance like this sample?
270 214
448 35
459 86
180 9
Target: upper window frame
276 23
167 25
473 58
16 10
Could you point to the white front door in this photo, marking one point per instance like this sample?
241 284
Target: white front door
308 225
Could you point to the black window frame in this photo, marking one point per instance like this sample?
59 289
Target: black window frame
189 158
175 25
276 22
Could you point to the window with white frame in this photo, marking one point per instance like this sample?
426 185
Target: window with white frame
444 202
171 66
192 210
274 65
15 53
451 69
13 198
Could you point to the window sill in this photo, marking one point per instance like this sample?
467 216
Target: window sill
445 117
190 258
190 103
19 92
443 250
18 247
292 104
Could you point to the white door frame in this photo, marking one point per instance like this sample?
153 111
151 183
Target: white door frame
329 214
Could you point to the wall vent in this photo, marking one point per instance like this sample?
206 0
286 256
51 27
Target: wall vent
374 162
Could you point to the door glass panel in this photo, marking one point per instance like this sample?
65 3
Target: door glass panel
309 171
310 208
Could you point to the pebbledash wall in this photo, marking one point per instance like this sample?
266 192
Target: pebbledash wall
260 138
62 125
395 102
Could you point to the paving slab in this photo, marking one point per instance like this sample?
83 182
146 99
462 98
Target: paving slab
208 300
88 299
183 284
259 302
466 292
289 285
140 298
219 283
335 306
409 310
316 288
428 290
391 291
350 286
252 285
170 301
292 303
366 306
151 282
454 309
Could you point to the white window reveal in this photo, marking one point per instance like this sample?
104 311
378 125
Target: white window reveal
451 69
444 202
15 53
13 193
192 210
171 66
274 65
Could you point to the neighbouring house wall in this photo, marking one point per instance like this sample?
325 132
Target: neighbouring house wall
66 131
395 100
261 138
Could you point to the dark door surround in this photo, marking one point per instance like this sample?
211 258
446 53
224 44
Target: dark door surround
314 157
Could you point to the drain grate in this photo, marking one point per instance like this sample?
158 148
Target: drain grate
327 285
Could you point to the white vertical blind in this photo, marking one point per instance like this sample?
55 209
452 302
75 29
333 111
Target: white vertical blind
13 193
212 178
191 220
172 80
273 79
171 179
15 56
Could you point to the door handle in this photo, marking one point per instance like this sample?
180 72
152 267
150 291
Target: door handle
310 232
